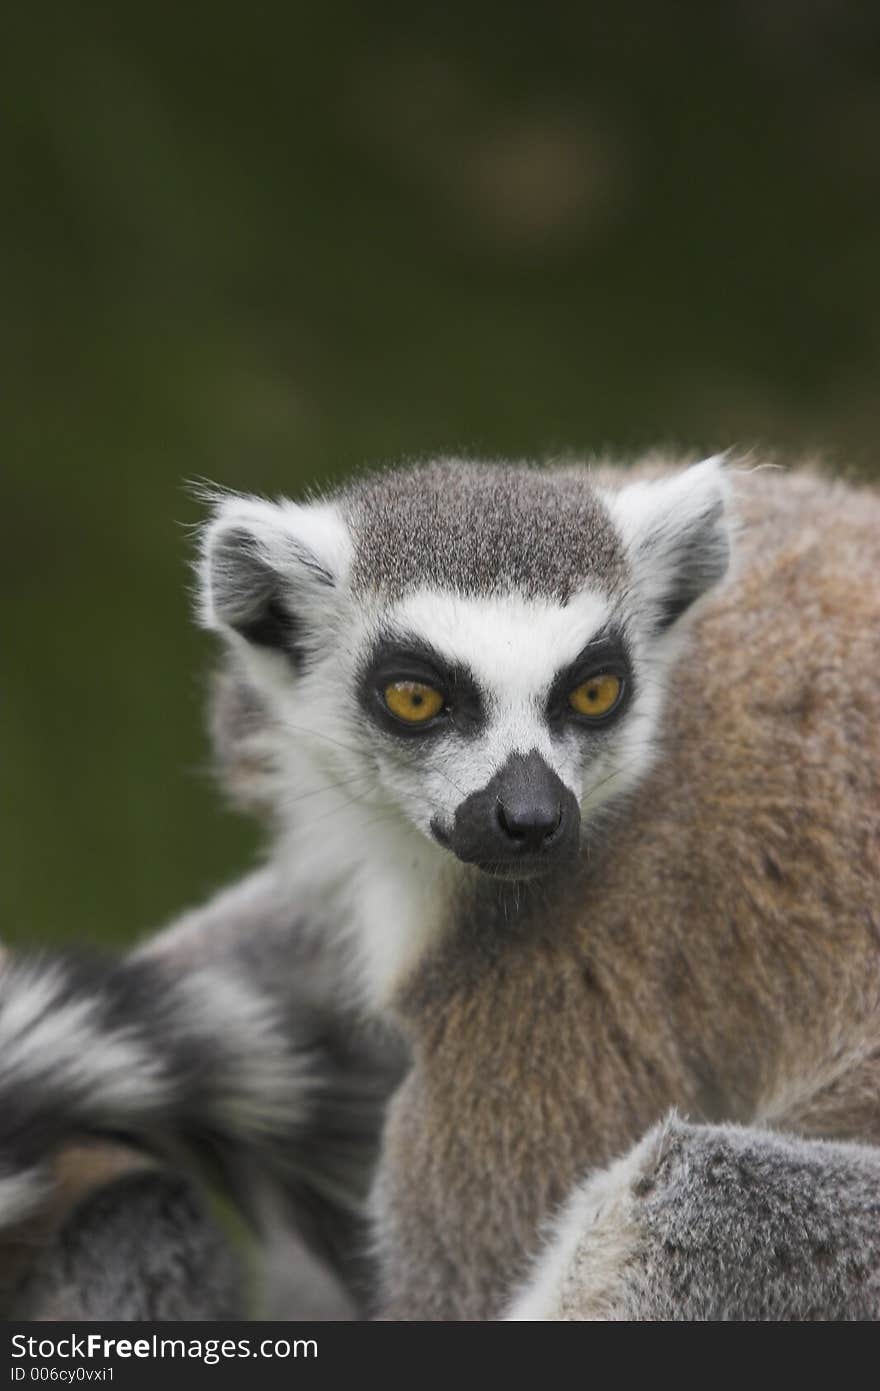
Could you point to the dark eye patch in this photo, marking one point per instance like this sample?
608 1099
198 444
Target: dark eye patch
403 657
606 652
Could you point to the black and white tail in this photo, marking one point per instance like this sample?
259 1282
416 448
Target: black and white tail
195 1067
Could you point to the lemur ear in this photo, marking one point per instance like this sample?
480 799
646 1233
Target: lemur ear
677 535
265 568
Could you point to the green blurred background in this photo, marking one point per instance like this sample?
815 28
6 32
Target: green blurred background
268 245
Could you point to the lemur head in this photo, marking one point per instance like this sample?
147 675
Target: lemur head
475 651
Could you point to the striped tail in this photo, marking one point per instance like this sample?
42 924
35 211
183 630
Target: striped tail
195 1068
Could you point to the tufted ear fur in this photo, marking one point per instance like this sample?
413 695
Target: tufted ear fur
677 536
265 569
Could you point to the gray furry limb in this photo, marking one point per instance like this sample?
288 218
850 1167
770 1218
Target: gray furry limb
144 1247
717 1223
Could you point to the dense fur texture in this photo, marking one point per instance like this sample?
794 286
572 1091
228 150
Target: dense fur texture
479 531
704 936
219 1053
717 1222
143 1247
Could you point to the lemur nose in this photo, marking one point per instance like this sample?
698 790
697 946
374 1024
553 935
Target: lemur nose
529 824
520 824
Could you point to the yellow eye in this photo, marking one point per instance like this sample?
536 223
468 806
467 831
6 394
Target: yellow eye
597 696
412 701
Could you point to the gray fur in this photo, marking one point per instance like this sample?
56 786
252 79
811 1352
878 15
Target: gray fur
145 1247
141 1248
726 1222
315 1242
480 529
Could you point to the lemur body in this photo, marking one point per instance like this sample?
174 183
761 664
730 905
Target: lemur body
714 946
718 951
593 865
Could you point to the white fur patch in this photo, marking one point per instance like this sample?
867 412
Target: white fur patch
398 913
667 508
20 1194
676 532
263 1086
514 647
43 1034
305 544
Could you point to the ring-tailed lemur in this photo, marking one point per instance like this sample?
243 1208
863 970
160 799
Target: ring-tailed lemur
599 850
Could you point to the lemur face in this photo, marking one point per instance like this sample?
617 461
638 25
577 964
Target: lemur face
477 652
495 719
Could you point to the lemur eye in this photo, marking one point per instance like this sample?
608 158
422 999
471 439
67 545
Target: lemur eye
596 697
413 701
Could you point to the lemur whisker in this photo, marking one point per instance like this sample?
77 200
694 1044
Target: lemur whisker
321 734
334 811
378 820
350 748
288 802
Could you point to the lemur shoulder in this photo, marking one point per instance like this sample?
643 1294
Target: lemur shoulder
593 819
